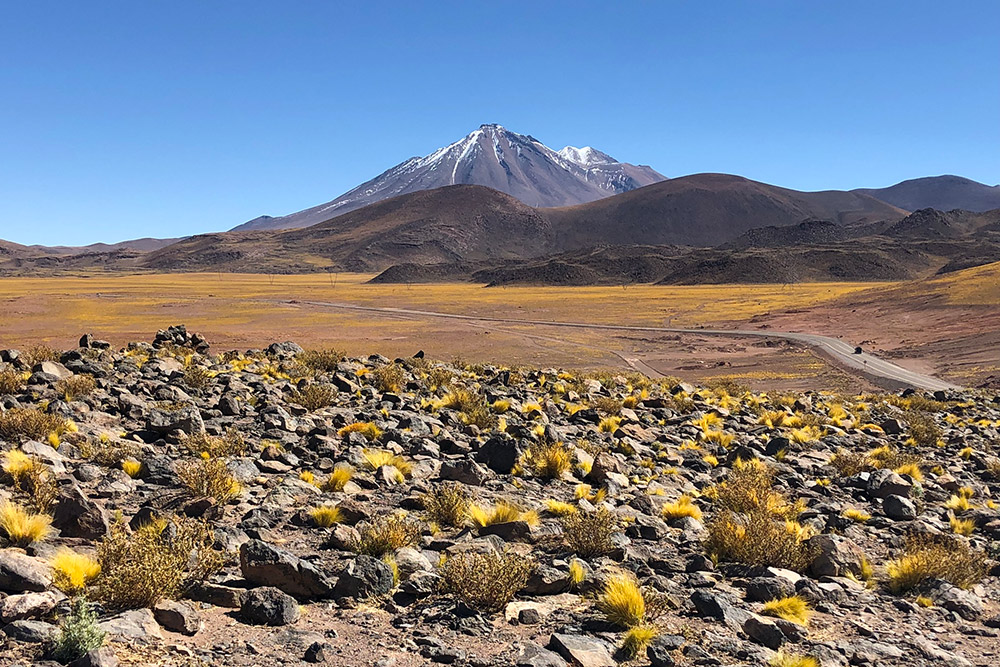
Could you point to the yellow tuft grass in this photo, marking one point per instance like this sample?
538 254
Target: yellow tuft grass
857 515
23 527
577 573
621 601
794 609
782 659
559 508
911 469
367 429
962 526
637 639
376 458
683 507
339 478
132 467
326 516
73 571
609 424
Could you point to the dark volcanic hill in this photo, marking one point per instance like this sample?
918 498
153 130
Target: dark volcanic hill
456 223
705 210
941 192
492 156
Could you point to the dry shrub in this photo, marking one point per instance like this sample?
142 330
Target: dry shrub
388 378
384 534
756 538
473 407
848 463
76 386
589 533
892 459
108 452
747 488
197 378
36 354
439 377
927 557
322 360
447 505
486 581
231 444
209 478
550 460
314 396
11 381
606 405
161 559
923 429
19 424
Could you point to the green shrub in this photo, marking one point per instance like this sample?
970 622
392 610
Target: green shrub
79 633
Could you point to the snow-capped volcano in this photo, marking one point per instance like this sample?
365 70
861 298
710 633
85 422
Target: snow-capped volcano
495 157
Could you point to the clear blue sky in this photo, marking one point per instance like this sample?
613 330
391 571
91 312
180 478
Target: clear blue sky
154 118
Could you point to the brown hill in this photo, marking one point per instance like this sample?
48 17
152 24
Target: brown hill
705 210
455 223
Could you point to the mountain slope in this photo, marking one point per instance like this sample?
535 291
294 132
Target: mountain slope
944 193
705 210
461 222
492 156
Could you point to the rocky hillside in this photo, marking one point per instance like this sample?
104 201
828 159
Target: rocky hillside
166 504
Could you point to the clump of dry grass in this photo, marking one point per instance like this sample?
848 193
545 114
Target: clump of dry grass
606 405
503 511
73 571
927 557
209 478
338 479
550 460
376 458
197 378
22 527
326 516
622 601
922 428
367 429
384 534
314 396
109 452
486 581
590 533
794 609
684 507
161 559
32 477
36 354
447 505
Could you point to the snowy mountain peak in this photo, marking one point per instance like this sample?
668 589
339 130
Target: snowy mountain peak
586 156
495 157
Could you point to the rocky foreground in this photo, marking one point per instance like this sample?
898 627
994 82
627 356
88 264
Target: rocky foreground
163 504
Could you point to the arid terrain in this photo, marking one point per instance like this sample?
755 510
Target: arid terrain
175 503
945 326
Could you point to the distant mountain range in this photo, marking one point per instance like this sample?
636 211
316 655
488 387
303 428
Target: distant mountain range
497 158
502 207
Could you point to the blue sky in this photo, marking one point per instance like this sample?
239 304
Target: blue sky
127 119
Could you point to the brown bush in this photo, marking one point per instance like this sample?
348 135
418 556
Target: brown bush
848 463
159 560
314 396
19 424
447 505
606 405
36 354
756 538
209 478
486 581
75 387
197 378
923 429
323 360
108 452
388 378
11 381
384 534
589 533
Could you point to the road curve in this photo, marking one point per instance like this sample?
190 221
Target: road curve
879 371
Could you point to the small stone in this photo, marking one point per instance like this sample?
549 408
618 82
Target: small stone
269 606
